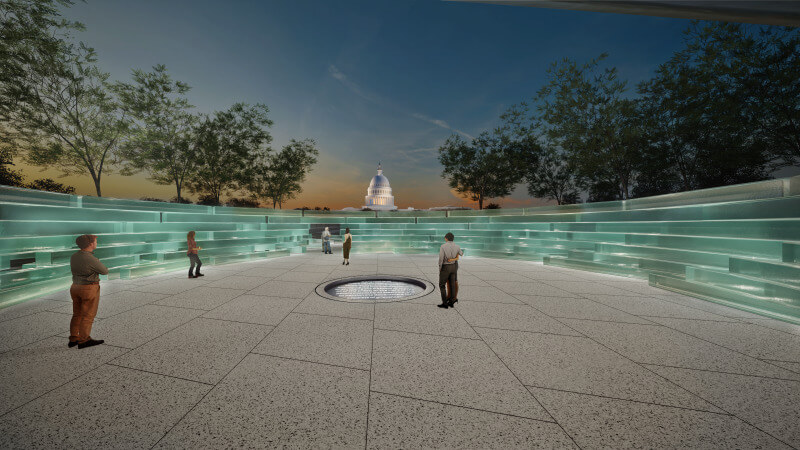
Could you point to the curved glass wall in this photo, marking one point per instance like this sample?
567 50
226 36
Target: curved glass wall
737 245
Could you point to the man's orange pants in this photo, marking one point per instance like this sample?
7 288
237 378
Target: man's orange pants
85 298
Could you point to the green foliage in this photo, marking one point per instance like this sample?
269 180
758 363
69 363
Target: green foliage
775 82
243 202
710 111
11 177
225 146
162 129
587 115
553 178
68 119
53 99
488 167
278 177
48 184
8 176
182 200
493 206
32 32
208 200
546 170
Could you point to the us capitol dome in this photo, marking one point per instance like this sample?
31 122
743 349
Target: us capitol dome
379 193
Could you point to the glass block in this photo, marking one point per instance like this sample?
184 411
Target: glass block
777 271
735 299
19 211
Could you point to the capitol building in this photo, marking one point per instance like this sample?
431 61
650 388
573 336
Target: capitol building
379 194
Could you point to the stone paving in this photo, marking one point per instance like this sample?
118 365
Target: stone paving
531 356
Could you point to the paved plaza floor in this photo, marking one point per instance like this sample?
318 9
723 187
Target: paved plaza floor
531 356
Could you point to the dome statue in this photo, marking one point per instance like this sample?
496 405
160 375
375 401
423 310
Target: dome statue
379 193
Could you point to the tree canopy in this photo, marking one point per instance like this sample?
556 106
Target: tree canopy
226 145
488 167
161 138
278 176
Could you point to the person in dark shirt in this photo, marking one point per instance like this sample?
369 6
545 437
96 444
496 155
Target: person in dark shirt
85 291
192 247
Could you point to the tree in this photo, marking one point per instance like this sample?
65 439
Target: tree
68 119
707 119
31 31
775 83
53 102
278 177
546 169
552 178
588 117
488 167
225 146
161 137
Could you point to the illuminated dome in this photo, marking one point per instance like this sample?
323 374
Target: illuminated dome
379 193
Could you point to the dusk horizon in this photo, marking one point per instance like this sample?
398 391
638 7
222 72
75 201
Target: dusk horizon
369 82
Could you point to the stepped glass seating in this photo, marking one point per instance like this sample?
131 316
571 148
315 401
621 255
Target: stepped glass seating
737 245
136 238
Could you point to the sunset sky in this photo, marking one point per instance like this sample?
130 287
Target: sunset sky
369 80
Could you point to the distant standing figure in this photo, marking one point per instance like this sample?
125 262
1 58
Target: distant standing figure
85 291
191 252
452 282
348 242
448 254
326 242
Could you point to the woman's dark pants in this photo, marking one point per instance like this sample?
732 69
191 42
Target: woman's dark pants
195 260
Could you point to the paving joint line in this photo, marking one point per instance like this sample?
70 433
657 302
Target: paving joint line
582 336
253 352
721 372
429 334
157 373
643 366
328 315
369 384
220 380
723 413
410 397
518 380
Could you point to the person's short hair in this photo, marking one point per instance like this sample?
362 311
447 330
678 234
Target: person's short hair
85 240
347 230
449 237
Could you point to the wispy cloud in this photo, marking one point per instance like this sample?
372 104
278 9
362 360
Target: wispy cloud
418 154
356 89
439 123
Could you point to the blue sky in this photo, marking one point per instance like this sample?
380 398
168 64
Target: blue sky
369 80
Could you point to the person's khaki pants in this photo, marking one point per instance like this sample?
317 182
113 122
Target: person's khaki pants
85 298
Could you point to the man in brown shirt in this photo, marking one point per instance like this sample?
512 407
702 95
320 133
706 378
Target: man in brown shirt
85 291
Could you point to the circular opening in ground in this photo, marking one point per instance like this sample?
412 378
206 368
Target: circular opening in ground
374 289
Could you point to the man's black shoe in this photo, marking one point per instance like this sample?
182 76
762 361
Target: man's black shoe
452 303
90 343
72 344
444 305
199 275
